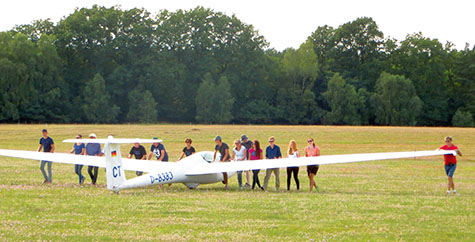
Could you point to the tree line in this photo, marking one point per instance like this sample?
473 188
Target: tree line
108 65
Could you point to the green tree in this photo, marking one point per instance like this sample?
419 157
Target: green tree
214 100
97 107
395 101
343 101
462 119
143 107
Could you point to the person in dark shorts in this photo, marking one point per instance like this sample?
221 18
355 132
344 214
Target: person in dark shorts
47 144
139 152
158 149
312 150
450 163
188 150
223 150
79 149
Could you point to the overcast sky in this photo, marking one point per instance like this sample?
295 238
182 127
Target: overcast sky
288 23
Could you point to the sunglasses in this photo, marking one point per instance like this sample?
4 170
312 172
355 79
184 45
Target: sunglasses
309 141
271 141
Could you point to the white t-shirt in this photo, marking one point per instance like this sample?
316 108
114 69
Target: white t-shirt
294 155
240 154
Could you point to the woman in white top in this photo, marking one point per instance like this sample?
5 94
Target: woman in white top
293 152
239 154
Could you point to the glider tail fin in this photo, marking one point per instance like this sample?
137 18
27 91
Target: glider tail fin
114 167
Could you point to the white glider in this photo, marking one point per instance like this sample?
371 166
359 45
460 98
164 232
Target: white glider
193 170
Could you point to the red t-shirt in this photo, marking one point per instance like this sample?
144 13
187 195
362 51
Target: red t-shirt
449 159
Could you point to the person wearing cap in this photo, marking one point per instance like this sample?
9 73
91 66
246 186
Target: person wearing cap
248 145
450 163
140 154
158 149
79 149
93 149
188 150
272 152
47 144
223 150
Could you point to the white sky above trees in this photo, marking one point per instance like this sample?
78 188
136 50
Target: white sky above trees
288 23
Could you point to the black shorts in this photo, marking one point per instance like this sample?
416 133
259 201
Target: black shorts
313 169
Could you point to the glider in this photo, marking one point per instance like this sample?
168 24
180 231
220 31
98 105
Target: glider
199 168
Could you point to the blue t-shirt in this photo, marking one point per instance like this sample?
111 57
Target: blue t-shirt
46 143
78 148
272 153
157 151
93 149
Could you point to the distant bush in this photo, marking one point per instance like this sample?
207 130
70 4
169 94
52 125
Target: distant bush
462 119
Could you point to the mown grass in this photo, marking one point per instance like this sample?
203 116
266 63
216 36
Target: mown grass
380 200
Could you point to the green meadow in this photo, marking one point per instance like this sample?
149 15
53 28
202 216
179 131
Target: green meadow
401 200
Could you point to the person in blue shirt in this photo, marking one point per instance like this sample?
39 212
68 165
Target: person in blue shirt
93 149
47 144
272 152
79 149
158 149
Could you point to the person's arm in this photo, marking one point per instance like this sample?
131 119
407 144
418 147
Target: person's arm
181 156
298 154
233 155
162 154
144 156
39 147
72 151
318 152
214 156
458 152
279 154
83 151
130 153
52 148
226 154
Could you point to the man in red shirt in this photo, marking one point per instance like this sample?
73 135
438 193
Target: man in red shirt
450 162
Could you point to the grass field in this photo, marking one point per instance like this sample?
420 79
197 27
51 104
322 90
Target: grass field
370 201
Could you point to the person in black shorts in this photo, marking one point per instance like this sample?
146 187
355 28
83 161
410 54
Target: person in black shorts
188 150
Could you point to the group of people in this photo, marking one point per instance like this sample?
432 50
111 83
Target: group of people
244 149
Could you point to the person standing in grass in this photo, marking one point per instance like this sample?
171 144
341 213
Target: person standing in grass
79 149
139 152
247 144
293 152
47 144
312 150
223 150
450 163
255 153
93 149
272 152
188 150
239 154
158 149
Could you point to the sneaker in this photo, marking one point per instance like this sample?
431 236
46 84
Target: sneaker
261 188
82 180
45 181
240 188
247 185
455 192
448 192
226 187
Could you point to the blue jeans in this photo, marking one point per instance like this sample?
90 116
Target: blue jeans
77 170
48 177
450 169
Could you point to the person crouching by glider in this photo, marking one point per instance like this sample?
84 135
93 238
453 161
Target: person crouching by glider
79 149
450 163
47 144
312 150
93 149
140 154
223 149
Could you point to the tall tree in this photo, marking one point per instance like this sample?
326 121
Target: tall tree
143 107
214 100
97 106
395 101
343 101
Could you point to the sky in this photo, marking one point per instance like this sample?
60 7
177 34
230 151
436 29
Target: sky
288 23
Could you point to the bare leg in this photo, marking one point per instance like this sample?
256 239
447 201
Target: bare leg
248 178
451 183
225 176
312 181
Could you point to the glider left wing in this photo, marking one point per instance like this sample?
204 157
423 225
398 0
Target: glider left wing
211 168
99 161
